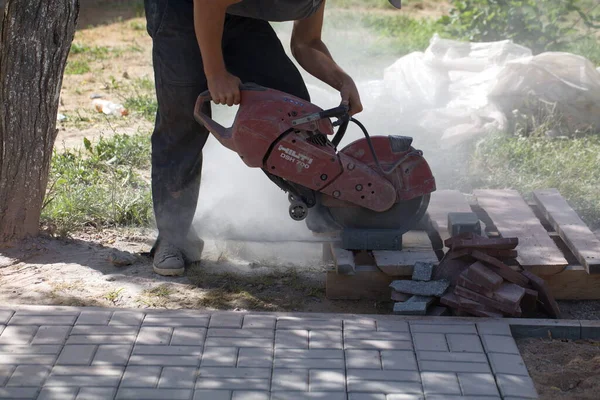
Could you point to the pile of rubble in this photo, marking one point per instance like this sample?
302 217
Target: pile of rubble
475 278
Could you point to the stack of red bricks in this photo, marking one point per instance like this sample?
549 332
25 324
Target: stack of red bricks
483 284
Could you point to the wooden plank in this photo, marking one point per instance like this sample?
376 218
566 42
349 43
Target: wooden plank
416 246
574 283
575 233
367 283
514 218
443 202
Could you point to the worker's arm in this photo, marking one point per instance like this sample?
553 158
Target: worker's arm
209 18
312 54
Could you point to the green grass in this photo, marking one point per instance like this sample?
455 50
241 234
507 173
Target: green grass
77 67
99 186
526 164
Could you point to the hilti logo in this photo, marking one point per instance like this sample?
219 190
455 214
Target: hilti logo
292 153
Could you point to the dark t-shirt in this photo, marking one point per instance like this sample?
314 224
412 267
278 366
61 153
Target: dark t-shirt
275 10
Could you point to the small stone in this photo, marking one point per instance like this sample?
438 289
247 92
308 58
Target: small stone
121 258
431 288
422 271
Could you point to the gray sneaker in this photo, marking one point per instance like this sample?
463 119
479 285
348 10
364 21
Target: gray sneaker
168 260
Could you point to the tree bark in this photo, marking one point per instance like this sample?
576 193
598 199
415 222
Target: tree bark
35 42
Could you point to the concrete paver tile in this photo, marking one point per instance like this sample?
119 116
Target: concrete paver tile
200 321
227 372
188 336
401 360
366 396
406 397
290 380
51 334
430 341
375 375
511 364
360 324
446 356
101 339
29 375
155 335
158 350
103 370
153 394
516 385
48 349
5 373
311 324
309 353
325 340
399 387
19 319
494 328
138 376
452 366
500 344
446 397
112 354
392 326
2 327
83 380
96 393
259 322
15 334
76 355
478 384
177 377
171 361
241 333
308 396
440 383
259 357
107 330
249 395
5 316
212 394
309 363
326 380
466 328
374 344
226 320
127 318
293 339
464 343
232 383
94 318
238 342
55 393
219 357
36 359
363 359
379 335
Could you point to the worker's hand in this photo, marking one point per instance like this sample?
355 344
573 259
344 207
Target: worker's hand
350 96
224 88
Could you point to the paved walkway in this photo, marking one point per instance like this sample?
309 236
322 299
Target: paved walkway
77 353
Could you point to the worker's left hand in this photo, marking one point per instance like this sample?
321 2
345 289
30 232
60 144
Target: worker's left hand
350 96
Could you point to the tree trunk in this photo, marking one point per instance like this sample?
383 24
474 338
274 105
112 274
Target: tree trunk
35 42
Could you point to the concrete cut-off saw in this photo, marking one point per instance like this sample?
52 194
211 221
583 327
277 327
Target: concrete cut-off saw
371 191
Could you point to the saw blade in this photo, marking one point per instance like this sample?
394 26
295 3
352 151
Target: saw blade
402 216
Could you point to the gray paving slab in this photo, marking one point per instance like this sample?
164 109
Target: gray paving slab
132 354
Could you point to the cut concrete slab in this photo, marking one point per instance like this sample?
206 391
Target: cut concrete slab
431 288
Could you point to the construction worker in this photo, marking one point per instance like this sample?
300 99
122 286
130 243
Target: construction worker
216 45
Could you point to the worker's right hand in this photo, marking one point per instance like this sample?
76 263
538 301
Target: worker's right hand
224 88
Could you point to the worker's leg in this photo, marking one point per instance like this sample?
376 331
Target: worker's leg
177 140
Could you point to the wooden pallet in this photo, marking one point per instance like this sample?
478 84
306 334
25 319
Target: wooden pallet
554 243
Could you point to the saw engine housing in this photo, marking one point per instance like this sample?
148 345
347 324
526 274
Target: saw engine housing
293 141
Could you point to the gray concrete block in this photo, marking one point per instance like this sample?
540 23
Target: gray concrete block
241 333
308 363
51 334
173 361
83 380
155 335
398 360
159 350
308 396
309 323
309 353
238 342
141 376
327 380
229 372
219 357
289 380
226 321
508 364
188 336
200 321
76 355
96 393
48 349
407 397
5 316
375 344
94 318
325 339
26 359
416 305
456 357
499 344
363 359
494 328
452 366
19 319
467 328
360 324
47 393
430 341
440 383
382 375
132 318
15 334
464 343
109 354
5 373
368 396
294 339
250 395
392 326
232 384
516 385
101 339
478 385
259 322
29 375
377 335
397 387
590 330
212 394
430 288
461 222
259 357
153 394
177 377
558 329
104 330
422 271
